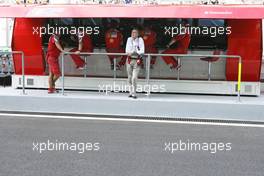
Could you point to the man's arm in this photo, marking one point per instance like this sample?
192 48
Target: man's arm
80 40
80 45
58 45
129 47
171 42
141 46
79 48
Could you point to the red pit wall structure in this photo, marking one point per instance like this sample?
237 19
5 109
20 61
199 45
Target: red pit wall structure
246 41
31 44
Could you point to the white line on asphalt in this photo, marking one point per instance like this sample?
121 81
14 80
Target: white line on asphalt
134 120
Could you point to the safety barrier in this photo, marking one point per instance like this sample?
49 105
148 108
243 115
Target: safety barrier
148 56
23 65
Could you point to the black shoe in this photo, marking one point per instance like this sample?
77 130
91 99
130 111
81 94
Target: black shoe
175 67
135 97
130 96
178 67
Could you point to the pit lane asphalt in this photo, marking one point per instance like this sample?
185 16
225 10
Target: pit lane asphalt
126 148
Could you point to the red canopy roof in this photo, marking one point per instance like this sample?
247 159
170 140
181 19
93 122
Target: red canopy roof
135 11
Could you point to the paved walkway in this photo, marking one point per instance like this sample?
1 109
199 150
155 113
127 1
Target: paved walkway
118 104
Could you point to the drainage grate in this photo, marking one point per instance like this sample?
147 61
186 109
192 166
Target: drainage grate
248 88
30 82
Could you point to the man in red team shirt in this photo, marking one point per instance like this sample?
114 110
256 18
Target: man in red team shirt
84 45
150 37
182 42
114 41
53 53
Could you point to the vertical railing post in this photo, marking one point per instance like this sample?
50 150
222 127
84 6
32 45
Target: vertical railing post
148 74
209 71
239 79
8 65
115 69
179 69
1 65
85 66
62 72
23 73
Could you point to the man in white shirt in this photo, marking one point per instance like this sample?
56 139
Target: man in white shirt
135 48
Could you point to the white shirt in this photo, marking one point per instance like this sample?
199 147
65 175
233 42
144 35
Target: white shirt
135 45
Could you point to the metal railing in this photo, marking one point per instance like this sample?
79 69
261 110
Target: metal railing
148 56
23 65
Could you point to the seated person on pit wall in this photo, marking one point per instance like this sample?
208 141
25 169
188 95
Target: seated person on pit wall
179 44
